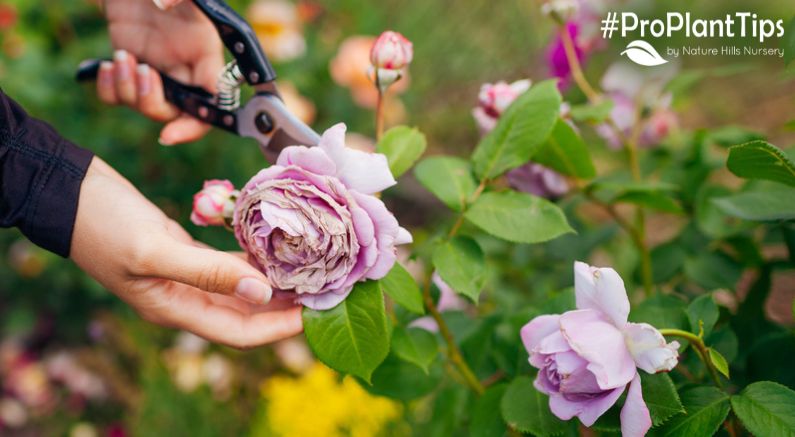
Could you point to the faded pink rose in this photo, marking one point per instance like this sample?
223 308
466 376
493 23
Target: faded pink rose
494 99
391 51
586 358
214 203
312 224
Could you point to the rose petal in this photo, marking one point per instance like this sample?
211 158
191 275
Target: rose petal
635 417
587 410
364 172
601 289
311 159
324 301
596 340
649 349
537 329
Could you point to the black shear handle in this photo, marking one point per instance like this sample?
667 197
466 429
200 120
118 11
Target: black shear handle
190 99
238 36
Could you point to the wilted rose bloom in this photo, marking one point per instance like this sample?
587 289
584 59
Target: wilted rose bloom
351 68
586 358
278 28
538 180
312 224
214 203
391 51
494 99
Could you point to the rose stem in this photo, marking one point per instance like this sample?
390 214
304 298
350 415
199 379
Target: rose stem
460 220
453 353
632 150
698 343
379 108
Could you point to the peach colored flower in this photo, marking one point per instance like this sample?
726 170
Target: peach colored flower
278 27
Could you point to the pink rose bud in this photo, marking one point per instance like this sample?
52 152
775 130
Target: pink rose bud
214 203
494 99
391 51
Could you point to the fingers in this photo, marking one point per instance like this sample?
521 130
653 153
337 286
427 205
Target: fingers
124 81
196 312
206 269
166 4
183 130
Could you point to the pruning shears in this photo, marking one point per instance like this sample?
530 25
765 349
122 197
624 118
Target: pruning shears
264 117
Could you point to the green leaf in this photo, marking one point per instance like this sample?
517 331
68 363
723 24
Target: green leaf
448 178
667 260
461 264
703 310
521 131
566 152
657 200
518 217
352 337
526 409
767 409
416 346
720 363
592 113
486 418
713 270
789 42
761 160
767 205
706 407
661 397
401 287
710 219
402 146
397 379
661 310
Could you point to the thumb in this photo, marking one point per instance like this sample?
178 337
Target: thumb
214 271
165 4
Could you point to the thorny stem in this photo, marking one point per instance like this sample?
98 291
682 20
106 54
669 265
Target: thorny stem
453 353
701 349
638 234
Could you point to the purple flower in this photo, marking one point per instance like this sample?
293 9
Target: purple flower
586 358
538 180
556 56
494 99
312 224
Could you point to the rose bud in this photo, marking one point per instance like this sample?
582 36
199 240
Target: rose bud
391 51
588 357
312 224
214 203
494 99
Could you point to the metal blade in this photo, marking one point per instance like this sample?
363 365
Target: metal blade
266 119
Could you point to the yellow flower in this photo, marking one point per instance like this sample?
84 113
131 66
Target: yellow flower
318 403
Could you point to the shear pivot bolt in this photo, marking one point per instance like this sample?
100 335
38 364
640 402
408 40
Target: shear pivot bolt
228 120
254 76
239 47
263 123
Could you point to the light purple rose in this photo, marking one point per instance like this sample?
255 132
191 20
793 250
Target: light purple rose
312 224
586 358
538 180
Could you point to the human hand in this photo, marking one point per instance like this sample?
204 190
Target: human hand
132 248
180 42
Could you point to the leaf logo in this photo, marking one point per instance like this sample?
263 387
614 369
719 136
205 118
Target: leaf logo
642 53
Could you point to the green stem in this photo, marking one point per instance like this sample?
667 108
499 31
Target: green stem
701 349
460 220
453 353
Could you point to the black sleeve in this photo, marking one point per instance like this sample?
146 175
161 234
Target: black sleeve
40 173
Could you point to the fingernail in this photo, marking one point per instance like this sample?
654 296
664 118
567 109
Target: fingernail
122 70
105 73
254 291
164 142
144 81
159 4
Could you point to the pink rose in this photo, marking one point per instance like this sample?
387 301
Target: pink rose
214 203
312 224
494 99
391 51
586 358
